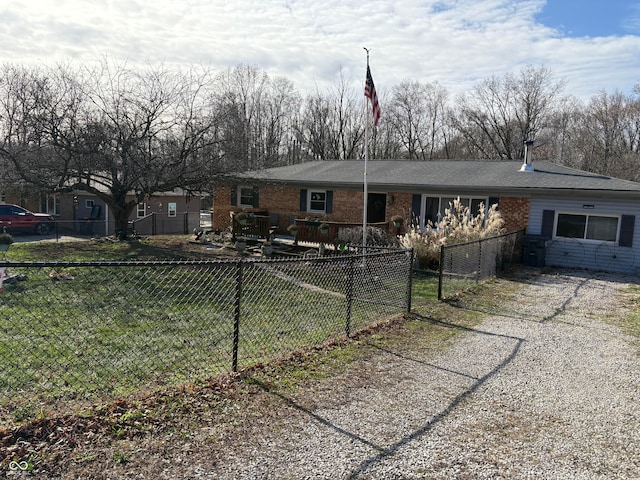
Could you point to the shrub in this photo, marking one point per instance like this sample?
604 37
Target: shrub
375 237
5 238
456 226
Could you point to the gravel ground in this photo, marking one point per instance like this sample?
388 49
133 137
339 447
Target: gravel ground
543 389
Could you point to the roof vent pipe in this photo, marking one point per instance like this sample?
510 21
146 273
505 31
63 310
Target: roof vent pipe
526 166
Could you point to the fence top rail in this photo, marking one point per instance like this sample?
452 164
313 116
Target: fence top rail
480 240
204 263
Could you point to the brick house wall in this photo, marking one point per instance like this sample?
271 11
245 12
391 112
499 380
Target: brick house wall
399 203
285 202
515 212
347 207
222 208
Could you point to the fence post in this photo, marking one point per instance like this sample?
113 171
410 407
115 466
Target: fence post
236 317
410 283
479 274
349 293
441 268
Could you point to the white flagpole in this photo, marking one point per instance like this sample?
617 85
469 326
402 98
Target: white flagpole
366 158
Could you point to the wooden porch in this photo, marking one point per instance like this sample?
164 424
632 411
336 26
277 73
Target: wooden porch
261 225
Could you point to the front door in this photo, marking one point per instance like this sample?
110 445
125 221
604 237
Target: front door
376 207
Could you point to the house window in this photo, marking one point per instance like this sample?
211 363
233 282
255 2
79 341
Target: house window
245 196
88 203
172 209
587 227
142 210
317 201
50 204
435 207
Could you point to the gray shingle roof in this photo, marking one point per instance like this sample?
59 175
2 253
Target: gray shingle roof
391 175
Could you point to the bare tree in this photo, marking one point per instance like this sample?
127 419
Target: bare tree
145 133
608 135
25 99
314 128
280 111
36 105
239 92
258 117
416 114
116 132
332 126
502 113
560 142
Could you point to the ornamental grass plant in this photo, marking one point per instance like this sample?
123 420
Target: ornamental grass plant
457 225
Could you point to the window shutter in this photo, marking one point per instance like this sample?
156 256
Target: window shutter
416 203
256 201
627 226
234 195
548 217
303 200
329 204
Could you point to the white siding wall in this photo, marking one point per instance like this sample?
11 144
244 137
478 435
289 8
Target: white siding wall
588 254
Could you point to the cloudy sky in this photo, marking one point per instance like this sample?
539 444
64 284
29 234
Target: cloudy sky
592 44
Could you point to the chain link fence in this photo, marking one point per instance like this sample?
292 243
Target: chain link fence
87 329
464 265
153 224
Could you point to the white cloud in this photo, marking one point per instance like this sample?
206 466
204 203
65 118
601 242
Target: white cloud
632 22
453 42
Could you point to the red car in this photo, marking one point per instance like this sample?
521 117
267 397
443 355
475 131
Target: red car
18 219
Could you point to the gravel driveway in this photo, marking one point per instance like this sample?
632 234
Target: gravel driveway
543 389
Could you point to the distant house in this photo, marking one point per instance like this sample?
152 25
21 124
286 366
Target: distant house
78 211
579 219
175 212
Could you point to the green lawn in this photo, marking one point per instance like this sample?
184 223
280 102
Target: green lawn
110 329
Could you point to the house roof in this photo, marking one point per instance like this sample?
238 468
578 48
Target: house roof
503 177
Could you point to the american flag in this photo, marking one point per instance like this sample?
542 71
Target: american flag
370 93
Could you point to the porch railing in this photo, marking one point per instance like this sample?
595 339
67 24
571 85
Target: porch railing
260 225
310 230
255 225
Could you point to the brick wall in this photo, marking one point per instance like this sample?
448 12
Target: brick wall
515 212
347 207
285 202
221 208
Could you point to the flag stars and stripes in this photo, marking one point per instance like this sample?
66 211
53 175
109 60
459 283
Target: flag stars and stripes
370 93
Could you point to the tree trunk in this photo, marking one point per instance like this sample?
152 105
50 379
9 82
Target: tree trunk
121 220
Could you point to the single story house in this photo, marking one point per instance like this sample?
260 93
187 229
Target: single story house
175 212
575 218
